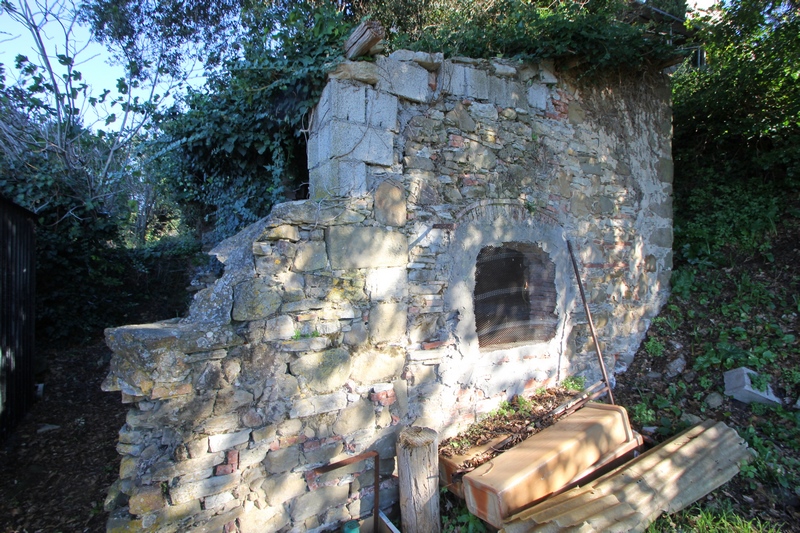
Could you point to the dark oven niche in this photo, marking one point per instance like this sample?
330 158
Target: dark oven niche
515 295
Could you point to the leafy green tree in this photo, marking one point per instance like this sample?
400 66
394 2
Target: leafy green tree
740 114
737 127
240 139
82 182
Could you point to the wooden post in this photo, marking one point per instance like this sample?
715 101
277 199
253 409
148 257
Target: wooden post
365 36
418 472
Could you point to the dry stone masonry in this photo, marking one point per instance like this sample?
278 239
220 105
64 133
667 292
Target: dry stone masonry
443 193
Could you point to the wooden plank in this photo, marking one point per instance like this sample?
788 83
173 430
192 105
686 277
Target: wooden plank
364 37
668 477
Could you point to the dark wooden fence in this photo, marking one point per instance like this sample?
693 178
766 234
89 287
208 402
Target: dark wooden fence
17 303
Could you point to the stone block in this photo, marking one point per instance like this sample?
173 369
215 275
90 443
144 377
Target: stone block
363 247
508 93
575 113
387 283
324 454
217 500
538 96
262 520
305 212
356 142
121 521
171 515
739 385
338 178
220 424
665 170
404 79
546 73
323 371
318 404
503 70
402 55
464 80
387 322
281 488
310 256
170 390
280 461
316 502
254 300
146 499
218 443
390 204
460 117
290 285
167 470
200 489
253 456
363 71
230 399
483 112
358 334
279 328
381 110
662 237
377 366
266 434
282 232
343 101
357 417
430 61
218 522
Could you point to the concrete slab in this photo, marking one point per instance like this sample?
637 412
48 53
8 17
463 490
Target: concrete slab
739 385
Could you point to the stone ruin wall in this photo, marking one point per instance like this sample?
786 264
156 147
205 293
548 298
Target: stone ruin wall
343 318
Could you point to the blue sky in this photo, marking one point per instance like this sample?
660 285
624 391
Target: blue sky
92 60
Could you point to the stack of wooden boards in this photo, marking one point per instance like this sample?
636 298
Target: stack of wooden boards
533 487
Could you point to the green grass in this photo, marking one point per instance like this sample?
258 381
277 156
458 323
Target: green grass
709 520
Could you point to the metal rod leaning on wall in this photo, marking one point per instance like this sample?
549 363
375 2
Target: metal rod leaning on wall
377 468
591 323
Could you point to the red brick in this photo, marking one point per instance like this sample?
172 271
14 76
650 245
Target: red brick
223 470
312 444
232 458
433 345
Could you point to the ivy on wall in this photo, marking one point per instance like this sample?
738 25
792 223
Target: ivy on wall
241 139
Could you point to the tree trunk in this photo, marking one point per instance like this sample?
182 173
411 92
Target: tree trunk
418 469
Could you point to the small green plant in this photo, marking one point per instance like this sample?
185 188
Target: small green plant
760 382
524 405
643 414
654 347
503 410
574 383
300 335
456 518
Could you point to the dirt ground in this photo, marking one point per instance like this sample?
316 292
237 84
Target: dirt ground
58 464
